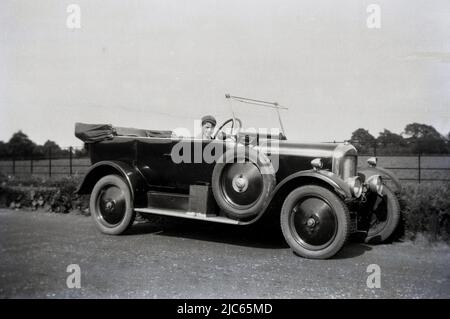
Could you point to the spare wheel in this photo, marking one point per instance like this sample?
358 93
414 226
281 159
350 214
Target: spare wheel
242 182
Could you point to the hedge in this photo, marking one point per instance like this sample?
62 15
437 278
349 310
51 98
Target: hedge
426 210
38 193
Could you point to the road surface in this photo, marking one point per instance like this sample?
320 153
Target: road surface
190 259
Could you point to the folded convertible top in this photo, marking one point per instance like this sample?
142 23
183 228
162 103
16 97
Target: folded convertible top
91 133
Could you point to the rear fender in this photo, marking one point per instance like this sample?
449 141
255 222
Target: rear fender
131 175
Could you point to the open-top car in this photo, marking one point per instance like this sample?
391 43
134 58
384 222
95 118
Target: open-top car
315 190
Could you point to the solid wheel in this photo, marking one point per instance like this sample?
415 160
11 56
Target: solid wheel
315 222
111 206
242 183
383 218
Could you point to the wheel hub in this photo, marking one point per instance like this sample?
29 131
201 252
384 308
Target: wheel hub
314 222
311 222
240 183
110 205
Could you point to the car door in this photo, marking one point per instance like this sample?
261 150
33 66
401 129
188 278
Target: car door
198 165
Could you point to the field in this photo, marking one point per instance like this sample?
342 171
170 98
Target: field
432 168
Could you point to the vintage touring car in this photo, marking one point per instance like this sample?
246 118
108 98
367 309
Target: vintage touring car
314 190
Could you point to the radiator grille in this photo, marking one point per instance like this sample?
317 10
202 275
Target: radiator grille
349 167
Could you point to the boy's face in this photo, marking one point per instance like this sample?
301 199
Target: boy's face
207 130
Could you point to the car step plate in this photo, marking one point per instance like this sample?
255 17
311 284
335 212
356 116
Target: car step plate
186 214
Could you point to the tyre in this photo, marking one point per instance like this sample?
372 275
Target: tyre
111 205
383 217
315 222
242 183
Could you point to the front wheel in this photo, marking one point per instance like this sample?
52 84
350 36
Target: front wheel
315 222
111 205
383 217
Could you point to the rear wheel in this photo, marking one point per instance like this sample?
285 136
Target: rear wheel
111 206
315 222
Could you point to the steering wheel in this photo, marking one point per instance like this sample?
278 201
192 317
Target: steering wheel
234 121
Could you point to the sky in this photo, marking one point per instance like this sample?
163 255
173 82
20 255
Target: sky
164 64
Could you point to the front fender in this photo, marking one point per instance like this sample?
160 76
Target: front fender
327 177
132 176
369 171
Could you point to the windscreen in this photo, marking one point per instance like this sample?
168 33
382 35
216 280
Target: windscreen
255 116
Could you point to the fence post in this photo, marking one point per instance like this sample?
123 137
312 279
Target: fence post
70 161
31 166
418 165
14 166
375 149
49 162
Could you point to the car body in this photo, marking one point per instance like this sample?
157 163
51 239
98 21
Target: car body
314 190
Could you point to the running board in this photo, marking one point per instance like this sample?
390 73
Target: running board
186 214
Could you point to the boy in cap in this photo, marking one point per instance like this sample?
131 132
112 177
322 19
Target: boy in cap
208 126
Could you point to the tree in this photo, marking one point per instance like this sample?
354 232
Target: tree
39 152
362 136
50 146
20 145
387 138
417 130
3 149
363 140
448 142
82 152
426 138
